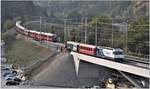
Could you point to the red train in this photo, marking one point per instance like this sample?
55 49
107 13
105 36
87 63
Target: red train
97 51
35 34
88 49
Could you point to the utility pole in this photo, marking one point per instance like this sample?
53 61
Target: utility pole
45 25
75 34
112 34
81 30
96 33
126 38
64 30
40 30
85 30
68 31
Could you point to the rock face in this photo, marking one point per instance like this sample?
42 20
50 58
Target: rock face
141 8
61 73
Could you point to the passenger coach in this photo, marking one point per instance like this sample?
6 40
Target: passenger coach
35 34
98 51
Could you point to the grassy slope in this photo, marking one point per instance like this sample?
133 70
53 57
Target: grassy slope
23 52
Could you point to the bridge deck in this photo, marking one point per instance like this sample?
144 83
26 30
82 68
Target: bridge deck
114 65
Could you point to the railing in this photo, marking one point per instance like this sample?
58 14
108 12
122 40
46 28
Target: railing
138 56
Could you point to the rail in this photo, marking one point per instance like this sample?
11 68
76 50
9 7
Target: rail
137 59
134 57
139 56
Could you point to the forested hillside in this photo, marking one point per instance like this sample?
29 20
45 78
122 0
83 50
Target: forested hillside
74 9
135 14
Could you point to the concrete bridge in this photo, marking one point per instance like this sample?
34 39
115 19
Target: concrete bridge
110 64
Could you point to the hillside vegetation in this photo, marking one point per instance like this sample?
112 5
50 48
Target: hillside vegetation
21 52
134 40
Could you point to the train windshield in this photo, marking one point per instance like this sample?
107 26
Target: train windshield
118 53
100 52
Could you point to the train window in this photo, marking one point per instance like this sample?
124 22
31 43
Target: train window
118 53
85 48
88 48
80 47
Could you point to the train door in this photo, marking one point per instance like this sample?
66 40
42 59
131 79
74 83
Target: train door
99 52
75 47
69 47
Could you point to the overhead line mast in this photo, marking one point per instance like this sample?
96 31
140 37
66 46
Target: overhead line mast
85 30
40 30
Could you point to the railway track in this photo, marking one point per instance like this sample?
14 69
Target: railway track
130 61
137 60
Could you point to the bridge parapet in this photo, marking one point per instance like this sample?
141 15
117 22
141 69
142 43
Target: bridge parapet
111 64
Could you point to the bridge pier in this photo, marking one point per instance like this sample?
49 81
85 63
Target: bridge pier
76 62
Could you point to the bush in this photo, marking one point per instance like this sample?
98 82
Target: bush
8 24
9 37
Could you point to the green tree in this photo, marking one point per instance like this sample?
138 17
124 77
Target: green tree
73 35
9 37
8 24
74 14
104 29
51 29
99 20
138 36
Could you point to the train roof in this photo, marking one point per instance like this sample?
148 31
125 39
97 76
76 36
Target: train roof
34 31
109 48
49 34
93 46
81 44
87 45
71 42
18 22
106 47
18 25
118 49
